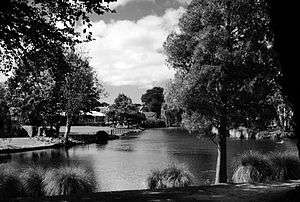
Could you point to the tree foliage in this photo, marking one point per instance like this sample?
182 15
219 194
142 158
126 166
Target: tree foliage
123 111
27 25
42 88
153 99
226 68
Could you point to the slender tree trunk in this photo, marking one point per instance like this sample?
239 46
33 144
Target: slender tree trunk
221 168
68 128
57 127
34 130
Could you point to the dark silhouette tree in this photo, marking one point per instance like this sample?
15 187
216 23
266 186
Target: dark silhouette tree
153 99
284 17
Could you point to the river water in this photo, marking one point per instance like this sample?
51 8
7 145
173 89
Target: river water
125 164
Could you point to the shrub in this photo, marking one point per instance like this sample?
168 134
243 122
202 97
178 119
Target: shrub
169 177
286 166
69 180
32 179
252 167
10 184
153 123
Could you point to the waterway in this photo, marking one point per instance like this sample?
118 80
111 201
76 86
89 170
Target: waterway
126 163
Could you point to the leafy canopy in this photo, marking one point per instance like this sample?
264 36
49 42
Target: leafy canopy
224 61
27 25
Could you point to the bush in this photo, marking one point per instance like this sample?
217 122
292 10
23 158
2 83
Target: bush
10 184
32 179
286 166
69 180
252 167
153 123
169 177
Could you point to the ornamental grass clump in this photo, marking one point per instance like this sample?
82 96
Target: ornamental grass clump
32 178
253 167
169 177
286 166
10 184
69 180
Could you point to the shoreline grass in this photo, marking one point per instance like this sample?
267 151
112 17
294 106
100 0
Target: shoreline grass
169 177
20 180
255 167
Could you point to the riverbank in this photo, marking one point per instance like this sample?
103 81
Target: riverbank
13 145
79 135
289 191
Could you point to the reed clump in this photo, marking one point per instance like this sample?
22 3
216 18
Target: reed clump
169 177
10 183
35 181
286 166
255 167
69 180
32 178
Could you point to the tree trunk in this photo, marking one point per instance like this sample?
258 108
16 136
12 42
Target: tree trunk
34 131
57 127
68 128
221 167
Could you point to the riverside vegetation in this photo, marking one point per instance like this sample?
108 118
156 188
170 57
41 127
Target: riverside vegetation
255 167
28 179
36 181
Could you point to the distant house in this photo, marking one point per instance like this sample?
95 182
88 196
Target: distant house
147 113
103 110
92 117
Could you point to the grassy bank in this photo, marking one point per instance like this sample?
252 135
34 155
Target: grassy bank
11 145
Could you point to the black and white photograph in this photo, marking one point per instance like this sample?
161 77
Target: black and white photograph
149 100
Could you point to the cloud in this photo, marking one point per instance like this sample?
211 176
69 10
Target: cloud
120 3
129 52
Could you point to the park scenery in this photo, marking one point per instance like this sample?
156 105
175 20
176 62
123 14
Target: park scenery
147 100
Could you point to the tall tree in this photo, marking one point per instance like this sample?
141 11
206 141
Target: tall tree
226 67
31 88
153 99
80 90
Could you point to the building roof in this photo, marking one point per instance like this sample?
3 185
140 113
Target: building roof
95 113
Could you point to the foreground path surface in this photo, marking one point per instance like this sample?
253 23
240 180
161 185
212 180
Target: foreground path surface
241 192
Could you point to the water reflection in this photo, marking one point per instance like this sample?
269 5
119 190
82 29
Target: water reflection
126 163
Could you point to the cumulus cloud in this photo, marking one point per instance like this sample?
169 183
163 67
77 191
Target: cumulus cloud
119 3
129 52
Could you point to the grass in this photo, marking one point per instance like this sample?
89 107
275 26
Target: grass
254 167
286 166
33 180
10 183
69 180
169 177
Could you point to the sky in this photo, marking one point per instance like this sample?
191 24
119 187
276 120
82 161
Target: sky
127 53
